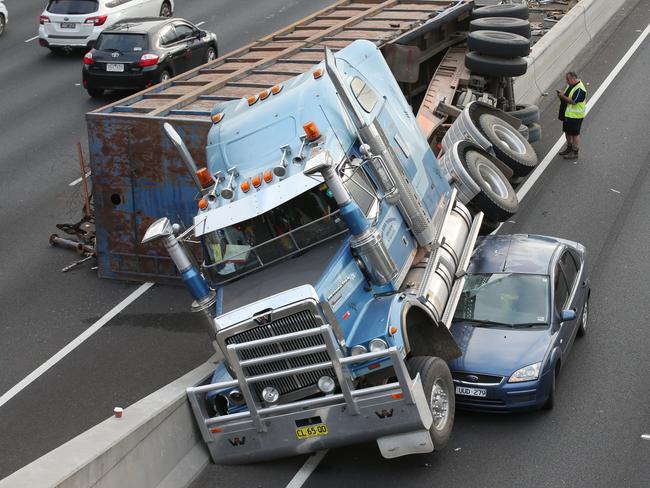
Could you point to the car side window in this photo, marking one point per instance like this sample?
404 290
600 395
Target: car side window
570 269
167 35
183 31
561 288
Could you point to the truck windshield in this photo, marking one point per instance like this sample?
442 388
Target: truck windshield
506 298
300 223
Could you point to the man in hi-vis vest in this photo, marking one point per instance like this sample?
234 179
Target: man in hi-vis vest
573 108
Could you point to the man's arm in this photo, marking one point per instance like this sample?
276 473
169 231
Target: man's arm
578 96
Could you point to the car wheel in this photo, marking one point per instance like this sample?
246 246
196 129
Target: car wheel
481 64
210 55
508 144
95 92
502 24
439 392
582 330
550 401
501 44
164 76
166 10
514 10
496 198
3 22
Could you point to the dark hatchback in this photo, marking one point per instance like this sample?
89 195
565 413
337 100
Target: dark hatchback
137 53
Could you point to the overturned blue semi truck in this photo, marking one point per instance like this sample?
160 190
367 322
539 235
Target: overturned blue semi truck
334 249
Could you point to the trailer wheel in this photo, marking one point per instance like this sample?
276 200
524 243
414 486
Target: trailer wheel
481 64
439 392
500 44
508 144
496 199
514 10
534 132
502 24
528 114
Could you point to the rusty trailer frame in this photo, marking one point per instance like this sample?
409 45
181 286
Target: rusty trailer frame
137 175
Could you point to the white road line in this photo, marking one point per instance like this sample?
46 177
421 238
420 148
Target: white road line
312 463
34 375
307 469
78 180
31 39
200 23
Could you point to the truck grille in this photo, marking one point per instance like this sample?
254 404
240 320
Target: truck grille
295 322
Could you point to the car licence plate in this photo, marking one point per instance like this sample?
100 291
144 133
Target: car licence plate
311 431
116 68
475 392
68 25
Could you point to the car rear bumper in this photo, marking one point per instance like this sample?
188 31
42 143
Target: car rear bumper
72 40
507 397
120 81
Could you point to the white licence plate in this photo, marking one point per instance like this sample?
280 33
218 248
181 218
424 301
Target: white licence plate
68 25
475 392
116 68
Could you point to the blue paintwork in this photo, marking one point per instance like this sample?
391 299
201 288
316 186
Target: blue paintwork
195 283
354 218
500 351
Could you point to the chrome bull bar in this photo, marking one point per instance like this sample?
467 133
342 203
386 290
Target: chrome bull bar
340 364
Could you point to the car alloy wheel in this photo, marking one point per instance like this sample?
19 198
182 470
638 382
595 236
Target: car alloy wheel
165 10
164 76
212 55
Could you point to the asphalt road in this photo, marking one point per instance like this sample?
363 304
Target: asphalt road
592 438
155 340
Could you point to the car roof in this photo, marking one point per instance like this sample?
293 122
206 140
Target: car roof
142 25
514 253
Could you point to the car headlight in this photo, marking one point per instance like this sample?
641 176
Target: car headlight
527 373
377 345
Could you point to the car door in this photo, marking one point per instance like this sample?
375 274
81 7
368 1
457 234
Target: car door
196 47
178 52
561 301
570 268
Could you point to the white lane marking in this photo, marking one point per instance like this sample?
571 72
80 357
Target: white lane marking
34 375
615 191
307 469
78 180
31 39
200 23
528 184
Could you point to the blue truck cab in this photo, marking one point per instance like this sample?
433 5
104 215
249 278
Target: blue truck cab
334 251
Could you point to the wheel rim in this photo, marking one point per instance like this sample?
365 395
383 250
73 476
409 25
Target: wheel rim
164 77
585 315
211 55
165 11
2 26
493 180
439 405
509 139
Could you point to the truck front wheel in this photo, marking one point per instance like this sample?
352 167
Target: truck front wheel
439 391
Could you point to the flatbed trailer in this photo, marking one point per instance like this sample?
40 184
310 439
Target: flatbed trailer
137 175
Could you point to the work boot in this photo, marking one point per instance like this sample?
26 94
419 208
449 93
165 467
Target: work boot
573 154
567 149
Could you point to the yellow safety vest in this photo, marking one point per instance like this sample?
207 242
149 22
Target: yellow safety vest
578 110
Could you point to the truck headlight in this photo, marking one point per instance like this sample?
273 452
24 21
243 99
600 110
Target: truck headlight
270 394
527 373
356 350
326 384
377 345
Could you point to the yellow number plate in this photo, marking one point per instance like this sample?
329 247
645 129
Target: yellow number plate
311 431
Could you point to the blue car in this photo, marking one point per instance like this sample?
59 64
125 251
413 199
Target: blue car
524 301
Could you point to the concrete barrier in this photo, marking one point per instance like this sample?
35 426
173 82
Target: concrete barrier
552 56
155 444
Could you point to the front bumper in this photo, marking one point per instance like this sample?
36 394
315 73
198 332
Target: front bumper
397 414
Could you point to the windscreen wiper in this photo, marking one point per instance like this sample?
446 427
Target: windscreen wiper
483 323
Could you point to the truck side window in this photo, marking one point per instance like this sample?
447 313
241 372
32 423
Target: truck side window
364 94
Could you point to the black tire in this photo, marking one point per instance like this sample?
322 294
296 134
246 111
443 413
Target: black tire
3 23
523 130
528 114
534 132
514 10
508 144
210 55
435 372
166 9
550 401
500 44
496 199
164 76
582 329
502 24
480 64
95 92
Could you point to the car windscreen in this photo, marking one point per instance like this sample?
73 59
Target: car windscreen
72 7
505 298
123 43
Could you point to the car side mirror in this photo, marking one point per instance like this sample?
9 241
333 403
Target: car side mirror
568 315
203 34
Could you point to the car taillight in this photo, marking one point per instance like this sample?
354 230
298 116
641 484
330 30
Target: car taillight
96 20
148 60
43 19
88 58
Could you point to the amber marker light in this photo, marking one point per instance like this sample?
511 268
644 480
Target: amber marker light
393 330
318 73
257 180
216 118
203 204
397 396
276 89
215 430
245 186
264 94
268 176
311 131
374 366
252 99
204 177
